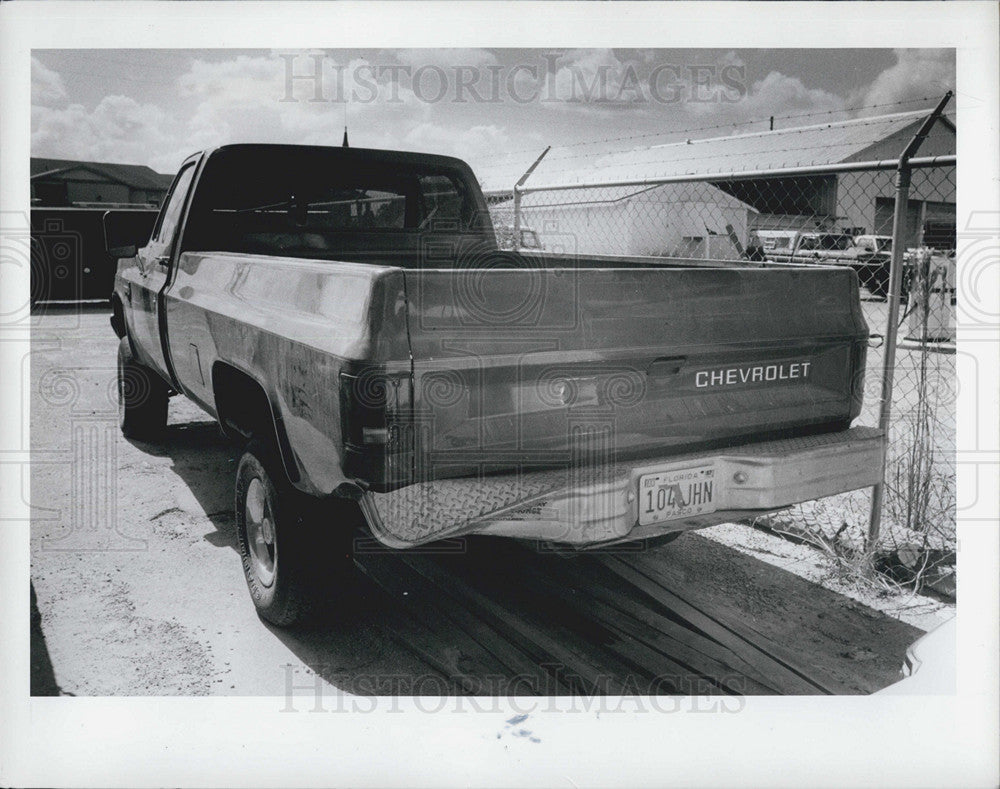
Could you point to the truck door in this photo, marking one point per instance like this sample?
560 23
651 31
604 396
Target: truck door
150 276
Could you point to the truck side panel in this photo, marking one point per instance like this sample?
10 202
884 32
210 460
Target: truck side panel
293 326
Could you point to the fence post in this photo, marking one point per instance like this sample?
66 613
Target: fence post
517 197
903 174
517 217
889 359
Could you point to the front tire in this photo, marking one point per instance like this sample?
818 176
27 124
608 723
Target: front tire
295 550
142 397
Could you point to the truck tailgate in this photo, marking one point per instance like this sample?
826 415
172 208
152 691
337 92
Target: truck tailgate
535 367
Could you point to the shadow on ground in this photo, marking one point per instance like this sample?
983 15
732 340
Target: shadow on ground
402 636
43 678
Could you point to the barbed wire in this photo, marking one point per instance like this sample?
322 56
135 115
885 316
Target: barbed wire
735 124
552 163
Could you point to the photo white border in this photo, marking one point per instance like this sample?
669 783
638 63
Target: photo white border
890 741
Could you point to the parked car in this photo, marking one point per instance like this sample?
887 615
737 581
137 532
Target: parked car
529 238
831 249
929 664
874 245
348 316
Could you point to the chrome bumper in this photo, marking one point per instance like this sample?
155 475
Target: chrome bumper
599 505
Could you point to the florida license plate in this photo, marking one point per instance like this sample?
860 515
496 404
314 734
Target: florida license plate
680 493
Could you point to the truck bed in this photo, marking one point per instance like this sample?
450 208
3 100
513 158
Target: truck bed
389 376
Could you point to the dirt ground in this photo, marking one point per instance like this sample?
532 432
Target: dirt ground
140 591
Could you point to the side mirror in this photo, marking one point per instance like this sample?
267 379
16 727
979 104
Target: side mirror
125 231
129 251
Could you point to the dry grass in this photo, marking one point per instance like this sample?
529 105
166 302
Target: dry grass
917 537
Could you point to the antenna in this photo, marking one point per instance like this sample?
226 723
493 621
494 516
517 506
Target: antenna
344 144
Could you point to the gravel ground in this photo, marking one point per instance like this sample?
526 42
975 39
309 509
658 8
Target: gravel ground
139 586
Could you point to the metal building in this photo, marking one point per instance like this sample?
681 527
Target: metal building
830 202
64 182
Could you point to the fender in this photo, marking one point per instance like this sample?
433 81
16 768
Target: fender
288 460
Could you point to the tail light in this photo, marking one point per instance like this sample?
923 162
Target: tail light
374 406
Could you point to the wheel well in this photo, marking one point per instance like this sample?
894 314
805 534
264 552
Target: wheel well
117 316
244 409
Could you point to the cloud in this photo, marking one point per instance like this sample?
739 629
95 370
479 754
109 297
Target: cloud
446 58
917 73
46 85
118 129
776 94
476 143
588 76
239 99
220 97
251 99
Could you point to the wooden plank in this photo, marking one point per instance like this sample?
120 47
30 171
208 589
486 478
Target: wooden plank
511 652
664 675
587 574
815 629
422 628
635 639
633 672
690 651
546 649
588 579
743 630
641 576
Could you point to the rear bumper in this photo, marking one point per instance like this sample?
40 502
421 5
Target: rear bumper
600 505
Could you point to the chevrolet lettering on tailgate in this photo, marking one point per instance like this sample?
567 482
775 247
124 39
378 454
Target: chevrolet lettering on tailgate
755 373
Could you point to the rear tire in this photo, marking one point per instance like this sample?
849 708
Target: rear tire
142 397
295 549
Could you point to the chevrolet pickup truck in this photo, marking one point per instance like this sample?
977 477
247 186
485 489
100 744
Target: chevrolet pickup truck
346 315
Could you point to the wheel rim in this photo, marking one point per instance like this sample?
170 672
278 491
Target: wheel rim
259 520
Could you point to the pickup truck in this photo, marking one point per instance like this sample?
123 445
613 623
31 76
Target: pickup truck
868 256
347 316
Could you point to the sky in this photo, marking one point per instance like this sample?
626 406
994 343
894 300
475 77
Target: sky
496 108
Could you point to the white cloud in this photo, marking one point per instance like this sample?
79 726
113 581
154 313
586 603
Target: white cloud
445 58
46 85
776 94
239 99
118 129
586 76
235 100
477 143
247 99
917 73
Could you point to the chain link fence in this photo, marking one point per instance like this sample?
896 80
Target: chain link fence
840 215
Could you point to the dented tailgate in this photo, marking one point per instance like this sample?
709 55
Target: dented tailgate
537 367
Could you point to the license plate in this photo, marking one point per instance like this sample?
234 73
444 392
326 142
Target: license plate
680 493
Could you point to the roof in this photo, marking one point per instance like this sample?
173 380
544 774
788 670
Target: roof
696 192
137 176
341 153
825 143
